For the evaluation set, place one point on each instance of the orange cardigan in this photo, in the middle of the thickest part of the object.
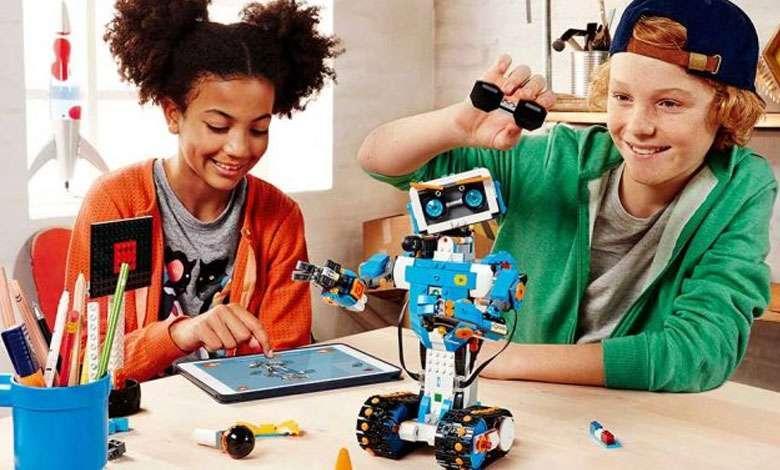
(272, 240)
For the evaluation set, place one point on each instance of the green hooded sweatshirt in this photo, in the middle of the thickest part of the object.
(689, 328)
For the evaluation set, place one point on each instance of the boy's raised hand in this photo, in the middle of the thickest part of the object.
(221, 327)
(497, 129)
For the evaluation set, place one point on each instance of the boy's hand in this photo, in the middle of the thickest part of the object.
(497, 129)
(222, 327)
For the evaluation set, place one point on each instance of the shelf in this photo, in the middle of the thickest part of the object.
(769, 121)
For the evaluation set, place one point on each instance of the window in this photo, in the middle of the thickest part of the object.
(124, 132)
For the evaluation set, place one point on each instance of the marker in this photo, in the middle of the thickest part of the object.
(602, 436)
(27, 368)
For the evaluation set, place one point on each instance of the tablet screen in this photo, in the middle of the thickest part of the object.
(304, 369)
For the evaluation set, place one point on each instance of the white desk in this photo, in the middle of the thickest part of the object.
(735, 426)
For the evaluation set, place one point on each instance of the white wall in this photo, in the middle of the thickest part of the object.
(386, 73)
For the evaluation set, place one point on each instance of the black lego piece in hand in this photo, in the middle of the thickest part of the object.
(488, 97)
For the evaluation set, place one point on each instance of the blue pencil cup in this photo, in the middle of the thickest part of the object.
(61, 427)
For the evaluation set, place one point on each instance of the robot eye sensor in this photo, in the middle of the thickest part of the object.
(454, 201)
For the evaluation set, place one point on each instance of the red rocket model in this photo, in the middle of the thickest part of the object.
(67, 145)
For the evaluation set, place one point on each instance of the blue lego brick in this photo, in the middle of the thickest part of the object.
(375, 266)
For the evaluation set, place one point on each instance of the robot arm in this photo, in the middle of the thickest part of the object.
(340, 286)
(343, 287)
(508, 287)
(377, 271)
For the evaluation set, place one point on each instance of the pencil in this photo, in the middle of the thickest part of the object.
(56, 339)
(79, 291)
(116, 305)
(6, 309)
(38, 343)
(66, 350)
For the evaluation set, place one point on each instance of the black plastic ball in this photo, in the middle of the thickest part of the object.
(239, 441)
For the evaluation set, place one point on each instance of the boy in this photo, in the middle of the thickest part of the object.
(644, 241)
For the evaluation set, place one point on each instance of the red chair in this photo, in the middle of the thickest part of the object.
(48, 255)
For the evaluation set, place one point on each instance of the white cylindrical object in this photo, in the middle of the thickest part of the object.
(207, 437)
(583, 64)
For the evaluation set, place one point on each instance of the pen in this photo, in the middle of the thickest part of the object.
(56, 339)
(27, 368)
(44, 327)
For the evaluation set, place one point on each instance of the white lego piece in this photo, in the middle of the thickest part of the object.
(399, 271)
(484, 280)
(506, 433)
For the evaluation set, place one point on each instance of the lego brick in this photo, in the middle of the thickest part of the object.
(111, 244)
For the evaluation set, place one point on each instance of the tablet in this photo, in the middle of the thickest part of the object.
(301, 370)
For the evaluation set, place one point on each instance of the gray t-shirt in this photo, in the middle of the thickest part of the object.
(199, 256)
(622, 250)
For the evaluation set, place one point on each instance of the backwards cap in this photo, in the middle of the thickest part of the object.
(721, 44)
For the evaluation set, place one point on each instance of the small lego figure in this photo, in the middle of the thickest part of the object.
(238, 441)
(116, 449)
(455, 303)
(602, 436)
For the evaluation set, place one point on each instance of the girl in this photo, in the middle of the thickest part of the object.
(644, 242)
(223, 242)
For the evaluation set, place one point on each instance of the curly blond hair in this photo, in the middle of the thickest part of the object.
(735, 111)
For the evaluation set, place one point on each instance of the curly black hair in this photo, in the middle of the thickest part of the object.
(166, 47)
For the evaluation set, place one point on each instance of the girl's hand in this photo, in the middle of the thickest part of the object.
(497, 129)
(222, 327)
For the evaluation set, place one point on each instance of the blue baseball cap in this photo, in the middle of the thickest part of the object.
(721, 44)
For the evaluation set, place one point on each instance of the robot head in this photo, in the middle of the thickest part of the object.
(454, 201)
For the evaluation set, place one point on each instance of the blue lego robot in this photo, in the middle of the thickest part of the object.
(456, 302)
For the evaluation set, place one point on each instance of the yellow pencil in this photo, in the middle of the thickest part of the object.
(79, 291)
